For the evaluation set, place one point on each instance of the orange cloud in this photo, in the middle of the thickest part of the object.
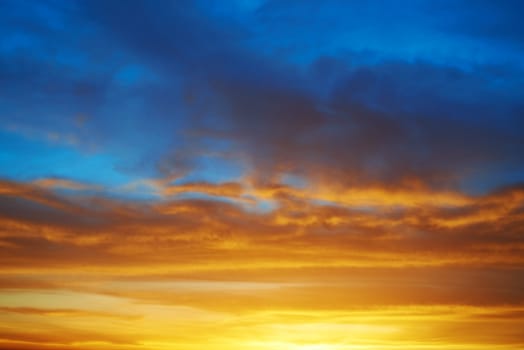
(366, 267)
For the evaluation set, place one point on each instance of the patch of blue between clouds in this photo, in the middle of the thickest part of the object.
(24, 159)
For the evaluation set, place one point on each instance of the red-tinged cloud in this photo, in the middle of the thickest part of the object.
(391, 228)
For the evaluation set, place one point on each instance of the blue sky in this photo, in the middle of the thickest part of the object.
(343, 91)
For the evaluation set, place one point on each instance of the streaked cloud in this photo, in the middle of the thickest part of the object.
(261, 175)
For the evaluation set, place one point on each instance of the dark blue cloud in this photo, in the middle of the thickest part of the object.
(336, 91)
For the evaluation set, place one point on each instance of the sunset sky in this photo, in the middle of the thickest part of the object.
(261, 175)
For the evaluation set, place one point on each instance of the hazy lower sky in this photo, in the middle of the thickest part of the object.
(261, 175)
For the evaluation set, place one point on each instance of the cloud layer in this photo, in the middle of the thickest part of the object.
(269, 174)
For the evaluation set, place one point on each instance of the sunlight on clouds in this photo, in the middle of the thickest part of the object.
(261, 175)
(129, 319)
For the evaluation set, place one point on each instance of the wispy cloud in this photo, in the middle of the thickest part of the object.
(261, 174)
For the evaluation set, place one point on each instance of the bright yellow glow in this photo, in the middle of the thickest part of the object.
(422, 275)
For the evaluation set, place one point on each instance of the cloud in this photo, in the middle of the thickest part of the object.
(395, 230)
(60, 312)
(337, 117)
(269, 174)
(391, 121)
(54, 183)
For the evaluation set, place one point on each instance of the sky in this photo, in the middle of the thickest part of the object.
(261, 174)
